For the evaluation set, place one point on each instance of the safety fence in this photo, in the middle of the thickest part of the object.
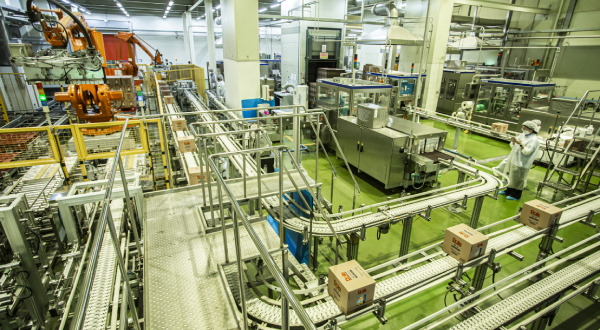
(31, 146)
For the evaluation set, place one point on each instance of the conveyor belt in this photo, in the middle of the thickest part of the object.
(269, 186)
(225, 141)
(96, 314)
(353, 224)
(511, 307)
(40, 182)
(390, 286)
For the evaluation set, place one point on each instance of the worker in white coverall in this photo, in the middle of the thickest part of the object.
(519, 161)
(220, 86)
(501, 166)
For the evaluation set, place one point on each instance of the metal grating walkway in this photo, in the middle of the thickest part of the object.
(183, 289)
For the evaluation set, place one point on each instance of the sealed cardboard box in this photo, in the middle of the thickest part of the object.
(169, 100)
(464, 243)
(539, 215)
(197, 175)
(178, 124)
(577, 145)
(499, 127)
(350, 286)
(186, 144)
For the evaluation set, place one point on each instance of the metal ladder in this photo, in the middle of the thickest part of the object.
(587, 157)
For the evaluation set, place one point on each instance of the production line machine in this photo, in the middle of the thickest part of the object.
(404, 92)
(430, 266)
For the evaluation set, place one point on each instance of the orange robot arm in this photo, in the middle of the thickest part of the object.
(132, 41)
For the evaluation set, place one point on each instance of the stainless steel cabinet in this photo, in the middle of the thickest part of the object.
(378, 152)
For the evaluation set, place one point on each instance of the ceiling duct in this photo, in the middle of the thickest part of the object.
(391, 33)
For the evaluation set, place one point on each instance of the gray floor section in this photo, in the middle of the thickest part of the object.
(183, 289)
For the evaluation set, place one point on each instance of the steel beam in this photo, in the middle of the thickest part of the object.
(505, 6)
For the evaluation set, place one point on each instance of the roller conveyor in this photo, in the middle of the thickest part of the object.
(521, 302)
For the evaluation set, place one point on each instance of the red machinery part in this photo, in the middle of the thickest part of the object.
(91, 102)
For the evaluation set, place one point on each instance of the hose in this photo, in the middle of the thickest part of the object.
(33, 18)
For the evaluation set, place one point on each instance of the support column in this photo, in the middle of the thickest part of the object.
(240, 52)
(440, 16)
(188, 38)
(210, 34)
(405, 240)
(476, 211)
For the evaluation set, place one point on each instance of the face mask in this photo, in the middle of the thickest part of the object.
(525, 131)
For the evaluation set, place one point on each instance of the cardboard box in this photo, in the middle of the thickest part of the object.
(499, 127)
(464, 243)
(169, 99)
(577, 145)
(539, 215)
(186, 144)
(197, 175)
(178, 124)
(350, 286)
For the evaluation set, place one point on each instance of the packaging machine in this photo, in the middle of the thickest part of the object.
(403, 94)
(399, 153)
(341, 96)
(452, 90)
(503, 100)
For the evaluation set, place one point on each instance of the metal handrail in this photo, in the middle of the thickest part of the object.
(281, 148)
(357, 191)
(106, 219)
(266, 256)
(309, 112)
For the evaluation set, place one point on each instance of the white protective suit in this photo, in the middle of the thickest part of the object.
(519, 160)
(221, 88)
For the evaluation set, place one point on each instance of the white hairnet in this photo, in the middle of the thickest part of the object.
(531, 124)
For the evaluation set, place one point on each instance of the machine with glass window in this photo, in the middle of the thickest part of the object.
(504, 100)
(452, 89)
(404, 89)
(401, 154)
(341, 96)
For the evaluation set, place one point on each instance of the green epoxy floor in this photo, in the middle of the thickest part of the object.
(578, 313)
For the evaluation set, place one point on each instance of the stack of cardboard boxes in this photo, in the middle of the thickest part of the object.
(501, 128)
(126, 85)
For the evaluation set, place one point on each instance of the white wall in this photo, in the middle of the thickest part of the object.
(166, 35)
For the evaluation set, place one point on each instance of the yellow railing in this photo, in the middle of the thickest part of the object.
(91, 144)
(186, 72)
(30, 146)
(27, 147)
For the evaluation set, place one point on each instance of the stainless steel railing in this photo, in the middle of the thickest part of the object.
(106, 220)
(281, 276)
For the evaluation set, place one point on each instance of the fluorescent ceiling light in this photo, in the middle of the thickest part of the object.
(218, 7)
(164, 16)
(119, 5)
(171, 3)
(275, 5)
(262, 10)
